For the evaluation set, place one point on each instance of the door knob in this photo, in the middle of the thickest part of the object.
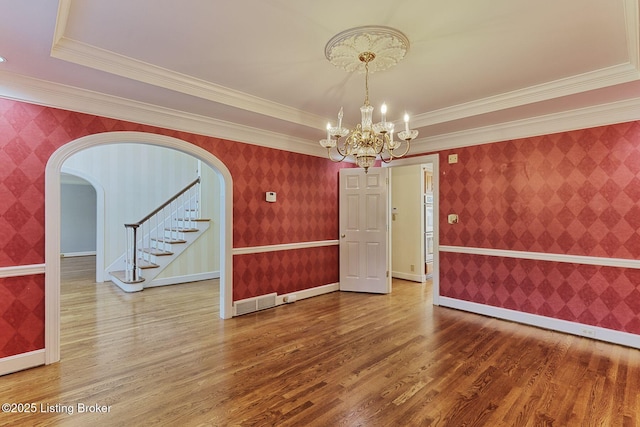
(343, 235)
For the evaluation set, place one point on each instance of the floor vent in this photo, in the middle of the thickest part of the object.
(266, 301)
(254, 304)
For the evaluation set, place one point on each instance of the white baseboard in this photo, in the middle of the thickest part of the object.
(20, 362)
(308, 293)
(137, 287)
(182, 279)
(75, 254)
(573, 328)
(408, 276)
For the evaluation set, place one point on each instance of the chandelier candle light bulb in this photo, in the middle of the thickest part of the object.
(357, 49)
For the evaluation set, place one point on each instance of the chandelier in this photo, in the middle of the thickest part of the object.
(371, 48)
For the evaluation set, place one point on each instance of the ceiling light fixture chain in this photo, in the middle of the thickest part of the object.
(366, 57)
(368, 141)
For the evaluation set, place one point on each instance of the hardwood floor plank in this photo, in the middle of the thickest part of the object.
(163, 357)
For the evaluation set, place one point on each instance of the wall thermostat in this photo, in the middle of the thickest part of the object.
(271, 196)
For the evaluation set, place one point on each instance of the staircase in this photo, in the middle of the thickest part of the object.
(159, 238)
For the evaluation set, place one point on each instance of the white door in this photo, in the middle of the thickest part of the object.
(364, 232)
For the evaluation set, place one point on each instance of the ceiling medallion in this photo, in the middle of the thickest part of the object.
(367, 49)
(388, 44)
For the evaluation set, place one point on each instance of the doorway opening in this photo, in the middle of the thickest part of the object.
(52, 221)
(91, 211)
(414, 220)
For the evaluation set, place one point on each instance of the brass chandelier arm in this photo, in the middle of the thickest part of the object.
(391, 153)
(385, 160)
(344, 156)
(395, 156)
(347, 147)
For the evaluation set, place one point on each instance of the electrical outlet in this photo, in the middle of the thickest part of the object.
(413, 267)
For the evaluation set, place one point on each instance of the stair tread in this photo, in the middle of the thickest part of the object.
(169, 240)
(144, 264)
(182, 230)
(194, 219)
(157, 252)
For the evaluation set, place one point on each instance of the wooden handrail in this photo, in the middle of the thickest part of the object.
(165, 204)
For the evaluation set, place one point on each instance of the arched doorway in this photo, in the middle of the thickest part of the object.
(99, 208)
(52, 222)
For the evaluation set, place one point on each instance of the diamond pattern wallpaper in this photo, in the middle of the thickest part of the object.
(306, 187)
(284, 271)
(306, 210)
(574, 193)
(593, 295)
(21, 314)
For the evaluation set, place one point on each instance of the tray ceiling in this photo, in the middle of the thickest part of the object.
(259, 66)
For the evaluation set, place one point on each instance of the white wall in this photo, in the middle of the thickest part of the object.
(77, 218)
(138, 178)
(406, 226)
(203, 255)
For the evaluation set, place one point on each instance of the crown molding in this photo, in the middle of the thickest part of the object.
(91, 56)
(597, 79)
(583, 118)
(619, 74)
(35, 91)
(632, 26)
(55, 95)
(100, 59)
(77, 52)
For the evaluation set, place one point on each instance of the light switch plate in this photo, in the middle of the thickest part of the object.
(452, 219)
(453, 158)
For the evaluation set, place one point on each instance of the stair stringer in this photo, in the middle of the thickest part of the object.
(177, 248)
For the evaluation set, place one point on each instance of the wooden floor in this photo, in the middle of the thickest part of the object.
(163, 357)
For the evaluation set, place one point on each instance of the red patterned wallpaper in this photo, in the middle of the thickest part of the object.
(607, 297)
(284, 271)
(307, 196)
(572, 193)
(307, 207)
(307, 186)
(21, 314)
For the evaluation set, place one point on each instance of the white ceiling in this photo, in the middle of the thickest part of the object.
(255, 70)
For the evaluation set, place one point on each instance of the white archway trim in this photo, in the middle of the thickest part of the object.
(52, 222)
(99, 218)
